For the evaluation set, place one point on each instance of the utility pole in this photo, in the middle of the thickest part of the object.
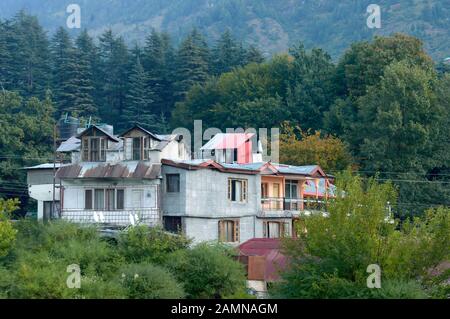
(54, 172)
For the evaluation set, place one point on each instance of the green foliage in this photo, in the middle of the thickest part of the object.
(143, 244)
(207, 271)
(327, 151)
(330, 258)
(147, 281)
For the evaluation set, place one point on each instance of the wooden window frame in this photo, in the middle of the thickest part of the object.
(244, 183)
(87, 150)
(236, 230)
(283, 226)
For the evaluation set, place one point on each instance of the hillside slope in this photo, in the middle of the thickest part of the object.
(273, 25)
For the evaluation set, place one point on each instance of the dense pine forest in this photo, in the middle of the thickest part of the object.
(271, 25)
(381, 109)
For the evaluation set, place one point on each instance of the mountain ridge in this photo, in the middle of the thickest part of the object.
(271, 25)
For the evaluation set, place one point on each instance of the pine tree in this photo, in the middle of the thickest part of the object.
(90, 58)
(114, 71)
(192, 63)
(28, 47)
(227, 54)
(158, 63)
(138, 109)
(64, 72)
(253, 55)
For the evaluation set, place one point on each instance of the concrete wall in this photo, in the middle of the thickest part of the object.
(74, 201)
(203, 201)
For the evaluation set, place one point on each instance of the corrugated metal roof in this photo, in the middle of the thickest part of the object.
(132, 169)
(45, 166)
(290, 169)
(227, 140)
(246, 166)
(72, 144)
(268, 248)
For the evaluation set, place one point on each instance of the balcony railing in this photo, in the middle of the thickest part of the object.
(282, 203)
(117, 218)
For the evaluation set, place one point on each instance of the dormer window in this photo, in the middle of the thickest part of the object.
(93, 149)
(140, 148)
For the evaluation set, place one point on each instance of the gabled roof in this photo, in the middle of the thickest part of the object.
(227, 141)
(111, 137)
(138, 127)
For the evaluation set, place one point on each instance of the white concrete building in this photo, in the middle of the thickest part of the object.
(40, 188)
(115, 180)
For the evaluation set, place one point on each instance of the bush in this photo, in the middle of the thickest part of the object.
(207, 271)
(356, 233)
(7, 237)
(146, 281)
(152, 245)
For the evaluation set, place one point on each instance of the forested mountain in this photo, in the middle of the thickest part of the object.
(271, 25)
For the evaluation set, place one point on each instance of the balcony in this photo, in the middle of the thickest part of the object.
(290, 206)
(113, 218)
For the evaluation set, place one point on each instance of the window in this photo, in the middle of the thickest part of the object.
(136, 148)
(229, 231)
(237, 190)
(94, 149)
(275, 229)
(120, 199)
(291, 189)
(139, 148)
(88, 199)
(172, 224)
(104, 199)
(99, 201)
(110, 199)
(173, 183)
(264, 190)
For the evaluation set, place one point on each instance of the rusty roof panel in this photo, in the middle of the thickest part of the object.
(106, 170)
(68, 171)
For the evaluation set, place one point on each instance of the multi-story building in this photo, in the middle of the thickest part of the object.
(227, 194)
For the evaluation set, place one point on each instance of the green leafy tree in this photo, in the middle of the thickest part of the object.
(7, 231)
(330, 258)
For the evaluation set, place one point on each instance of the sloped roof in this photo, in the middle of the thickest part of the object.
(268, 248)
(70, 145)
(227, 141)
(131, 169)
(136, 126)
(44, 166)
(299, 170)
(111, 137)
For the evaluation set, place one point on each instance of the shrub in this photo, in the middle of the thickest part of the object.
(147, 281)
(153, 245)
(207, 271)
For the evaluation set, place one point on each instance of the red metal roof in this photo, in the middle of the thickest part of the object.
(268, 248)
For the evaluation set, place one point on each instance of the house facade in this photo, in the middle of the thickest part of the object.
(226, 193)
